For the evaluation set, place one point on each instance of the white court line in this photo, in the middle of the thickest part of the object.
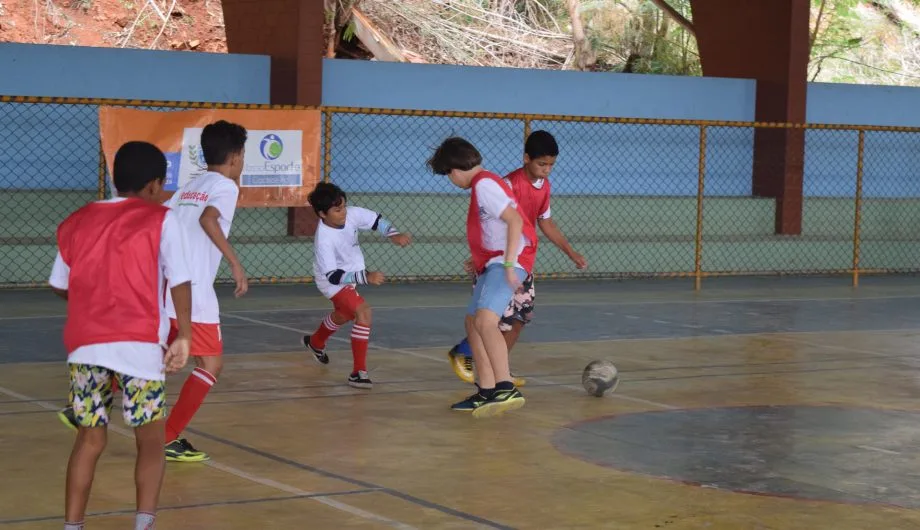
(768, 334)
(832, 346)
(617, 395)
(240, 473)
(559, 304)
(616, 303)
(444, 359)
(340, 339)
(877, 449)
(38, 317)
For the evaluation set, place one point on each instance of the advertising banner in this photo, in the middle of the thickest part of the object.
(282, 153)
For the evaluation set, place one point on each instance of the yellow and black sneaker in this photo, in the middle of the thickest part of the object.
(180, 450)
(469, 404)
(68, 418)
(502, 401)
(462, 365)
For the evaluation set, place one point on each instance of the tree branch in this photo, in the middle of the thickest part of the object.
(814, 33)
(673, 13)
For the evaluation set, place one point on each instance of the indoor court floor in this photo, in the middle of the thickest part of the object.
(757, 403)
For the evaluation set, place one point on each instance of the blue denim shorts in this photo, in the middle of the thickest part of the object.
(492, 291)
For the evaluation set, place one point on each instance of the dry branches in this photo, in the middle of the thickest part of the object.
(465, 32)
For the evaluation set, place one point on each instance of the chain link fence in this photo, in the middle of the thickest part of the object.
(637, 198)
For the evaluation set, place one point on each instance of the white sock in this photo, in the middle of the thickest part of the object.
(145, 521)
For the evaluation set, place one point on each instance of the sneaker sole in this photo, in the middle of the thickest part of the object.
(456, 362)
(492, 410)
(66, 422)
(187, 459)
(365, 386)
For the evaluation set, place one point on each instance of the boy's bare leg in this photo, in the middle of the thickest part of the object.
(87, 448)
(496, 350)
(480, 357)
(511, 336)
(150, 466)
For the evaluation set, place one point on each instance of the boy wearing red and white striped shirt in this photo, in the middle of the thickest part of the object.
(338, 266)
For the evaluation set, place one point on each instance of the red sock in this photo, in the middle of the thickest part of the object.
(191, 397)
(325, 330)
(360, 334)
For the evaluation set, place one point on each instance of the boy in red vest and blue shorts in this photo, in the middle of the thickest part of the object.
(502, 245)
(115, 260)
(531, 186)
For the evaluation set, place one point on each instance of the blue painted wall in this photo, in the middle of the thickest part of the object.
(608, 159)
(56, 146)
(78, 71)
(519, 90)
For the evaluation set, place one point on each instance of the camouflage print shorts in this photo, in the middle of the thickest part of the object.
(520, 307)
(142, 401)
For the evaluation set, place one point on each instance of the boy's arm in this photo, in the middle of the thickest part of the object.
(515, 227)
(60, 277)
(173, 259)
(549, 227)
(371, 220)
(515, 223)
(222, 202)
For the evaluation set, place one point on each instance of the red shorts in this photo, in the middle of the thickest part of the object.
(206, 338)
(346, 302)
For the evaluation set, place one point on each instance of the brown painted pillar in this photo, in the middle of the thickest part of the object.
(765, 40)
(291, 33)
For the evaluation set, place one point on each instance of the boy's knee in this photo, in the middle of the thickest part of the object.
(92, 439)
(213, 364)
(363, 314)
(150, 434)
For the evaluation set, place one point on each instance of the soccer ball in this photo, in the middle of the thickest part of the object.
(600, 378)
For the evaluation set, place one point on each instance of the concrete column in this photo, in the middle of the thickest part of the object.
(291, 33)
(765, 40)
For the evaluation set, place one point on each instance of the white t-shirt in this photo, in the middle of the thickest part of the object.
(547, 213)
(492, 202)
(136, 359)
(210, 189)
(338, 248)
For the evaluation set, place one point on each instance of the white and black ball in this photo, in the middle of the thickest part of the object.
(600, 378)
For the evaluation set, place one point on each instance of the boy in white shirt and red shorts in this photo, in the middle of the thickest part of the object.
(338, 267)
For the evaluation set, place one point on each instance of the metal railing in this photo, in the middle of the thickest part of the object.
(636, 197)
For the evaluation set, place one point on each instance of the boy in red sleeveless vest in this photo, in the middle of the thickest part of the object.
(115, 260)
(204, 209)
(502, 243)
(531, 187)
